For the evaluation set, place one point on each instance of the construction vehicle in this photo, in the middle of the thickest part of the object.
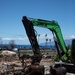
(66, 56)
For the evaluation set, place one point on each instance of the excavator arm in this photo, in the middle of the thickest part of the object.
(32, 38)
(51, 25)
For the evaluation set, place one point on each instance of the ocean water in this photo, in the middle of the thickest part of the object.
(26, 46)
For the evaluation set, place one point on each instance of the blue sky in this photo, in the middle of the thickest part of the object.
(12, 11)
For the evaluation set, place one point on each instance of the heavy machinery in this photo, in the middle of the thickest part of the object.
(65, 55)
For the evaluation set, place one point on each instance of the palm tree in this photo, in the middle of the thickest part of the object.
(46, 39)
(38, 37)
(50, 41)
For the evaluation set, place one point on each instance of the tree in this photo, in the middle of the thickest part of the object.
(46, 39)
(69, 46)
(12, 44)
(5, 47)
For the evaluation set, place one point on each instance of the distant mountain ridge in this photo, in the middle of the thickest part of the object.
(50, 45)
(67, 42)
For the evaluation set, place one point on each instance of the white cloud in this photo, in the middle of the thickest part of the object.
(6, 39)
(69, 37)
(73, 36)
(41, 37)
(16, 39)
(24, 39)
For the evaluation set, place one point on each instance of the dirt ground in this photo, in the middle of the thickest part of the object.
(14, 60)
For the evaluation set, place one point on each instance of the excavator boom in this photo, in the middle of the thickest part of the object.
(54, 27)
(51, 25)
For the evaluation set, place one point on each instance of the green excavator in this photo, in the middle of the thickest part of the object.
(64, 54)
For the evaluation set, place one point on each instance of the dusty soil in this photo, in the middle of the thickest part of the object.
(14, 60)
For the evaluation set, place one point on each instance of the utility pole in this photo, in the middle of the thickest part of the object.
(46, 40)
(38, 37)
(50, 42)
